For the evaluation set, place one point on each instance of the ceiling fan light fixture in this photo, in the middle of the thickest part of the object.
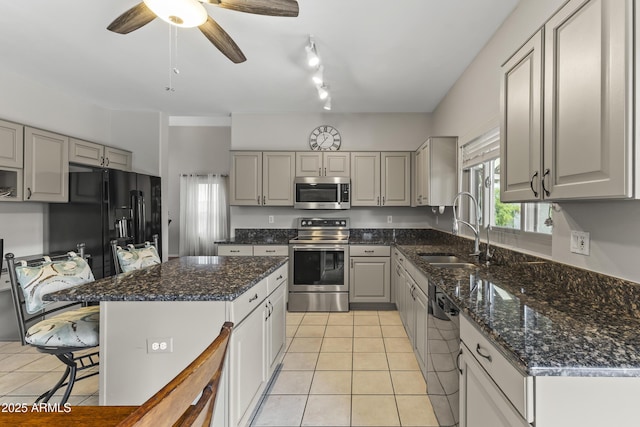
(181, 13)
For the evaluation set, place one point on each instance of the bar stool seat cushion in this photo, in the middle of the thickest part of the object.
(51, 276)
(73, 328)
(131, 258)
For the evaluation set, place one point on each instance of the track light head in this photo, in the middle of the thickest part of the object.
(312, 55)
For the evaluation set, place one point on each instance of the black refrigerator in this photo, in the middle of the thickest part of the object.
(104, 204)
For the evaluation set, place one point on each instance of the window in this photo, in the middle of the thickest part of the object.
(481, 176)
(203, 213)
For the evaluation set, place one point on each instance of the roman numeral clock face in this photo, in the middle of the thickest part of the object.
(325, 138)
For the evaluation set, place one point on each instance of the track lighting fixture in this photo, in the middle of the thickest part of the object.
(312, 55)
(323, 92)
(327, 104)
(313, 60)
(318, 76)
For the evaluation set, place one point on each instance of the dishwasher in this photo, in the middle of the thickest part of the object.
(443, 347)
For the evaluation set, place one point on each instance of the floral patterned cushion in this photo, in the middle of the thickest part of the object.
(131, 258)
(51, 276)
(73, 328)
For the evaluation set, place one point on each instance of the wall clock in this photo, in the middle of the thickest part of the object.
(325, 138)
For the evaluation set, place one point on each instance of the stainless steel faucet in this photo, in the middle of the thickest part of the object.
(475, 228)
(488, 253)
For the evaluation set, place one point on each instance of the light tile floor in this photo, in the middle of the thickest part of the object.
(346, 369)
(340, 369)
(25, 374)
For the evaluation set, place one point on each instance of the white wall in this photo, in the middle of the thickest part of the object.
(359, 132)
(472, 107)
(192, 149)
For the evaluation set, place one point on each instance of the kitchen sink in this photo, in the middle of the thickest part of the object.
(440, 258)
(464, 265)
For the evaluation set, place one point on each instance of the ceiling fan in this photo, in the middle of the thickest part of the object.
(191, 13)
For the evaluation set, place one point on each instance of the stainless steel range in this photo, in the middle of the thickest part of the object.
(318, 265)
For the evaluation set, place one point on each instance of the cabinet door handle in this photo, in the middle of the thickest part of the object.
(271, 309)
(458, 361)
(266, 306)
(319, 171)
(325, 171)
(264, 200)
(29, 193)
(369, 252)
(535, 193)
(253, 298)
(486, 356)
(351, 263)
(546, 192)
(378, 201)
(270, 251)
(279, 277)
(107, 162)
(234, 251)
(258, 199)
(382, 200)
(102, 161)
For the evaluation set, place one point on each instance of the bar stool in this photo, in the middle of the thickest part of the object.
(135, 257)
(56, 328)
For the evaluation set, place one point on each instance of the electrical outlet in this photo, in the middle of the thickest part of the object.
(389, 219)
(160, 345)
(580, 242)
(270, 219)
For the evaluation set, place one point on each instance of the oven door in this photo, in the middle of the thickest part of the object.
(318, 268)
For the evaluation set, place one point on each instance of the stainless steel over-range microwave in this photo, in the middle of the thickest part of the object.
(322, 192)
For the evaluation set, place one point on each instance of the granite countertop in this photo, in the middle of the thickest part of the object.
(547, 318)
(192, 278)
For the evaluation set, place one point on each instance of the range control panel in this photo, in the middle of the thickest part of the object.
(323, 222)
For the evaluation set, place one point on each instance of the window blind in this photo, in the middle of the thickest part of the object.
(481, 149)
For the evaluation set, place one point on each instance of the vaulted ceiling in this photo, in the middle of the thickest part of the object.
(379, 55)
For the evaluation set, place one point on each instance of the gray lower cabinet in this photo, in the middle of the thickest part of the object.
(482, 403)
(412, 303)
(369, 274)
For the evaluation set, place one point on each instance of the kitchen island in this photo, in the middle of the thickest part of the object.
(154, 321)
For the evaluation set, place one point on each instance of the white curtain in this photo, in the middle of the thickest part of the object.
(203, 213)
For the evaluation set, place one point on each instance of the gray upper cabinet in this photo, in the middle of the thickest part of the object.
(46, 166)
(92, 154)
(246, 178)
(436, 176)
(262, 179)
(278, 169)
(115, 158)
(380, 179)
(587, 144)
(11, 144)
(521, 125)
(395, 178)
(365, 179)
(327, 163)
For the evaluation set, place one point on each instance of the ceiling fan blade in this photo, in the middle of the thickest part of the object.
(222, 41)
(262, 7)
(134, 18)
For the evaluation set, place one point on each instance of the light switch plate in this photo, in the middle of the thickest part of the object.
(580, 242)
